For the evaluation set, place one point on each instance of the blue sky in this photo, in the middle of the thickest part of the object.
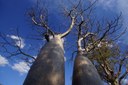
(12, 15)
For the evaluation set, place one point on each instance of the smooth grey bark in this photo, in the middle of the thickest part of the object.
(48, 68)
(84, 72)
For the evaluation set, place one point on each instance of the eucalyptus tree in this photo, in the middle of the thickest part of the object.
(110, 61)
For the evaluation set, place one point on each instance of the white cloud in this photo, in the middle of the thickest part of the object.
(21, 67)
(107, 4)
(3, 61)
(124, 81)
(18, 40)
(122, 6)
(35, 56)
(65, 59)
(32, 60)
(117, 6)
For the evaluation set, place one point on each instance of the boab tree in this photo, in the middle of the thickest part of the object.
(84, 72)
(85, 24)
(48, 68)
(103, 52)
(91, 33)
(86, 27)
(106, 54)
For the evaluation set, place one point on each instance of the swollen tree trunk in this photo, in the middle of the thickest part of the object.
(48, 68)
(84, 72)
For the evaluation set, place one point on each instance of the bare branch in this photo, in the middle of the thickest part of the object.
(39, 18)
(69, 29)
(80, 40)
(105, 70)
(42, 24)
(23, 53)
(120, 66)
(123, 75)
(18, 50)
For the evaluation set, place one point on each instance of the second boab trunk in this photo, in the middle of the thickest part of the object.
(84, 72)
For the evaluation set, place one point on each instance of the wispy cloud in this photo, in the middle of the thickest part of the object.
(3, 61)
(18, 40)
(107, 4)
(122, 6)
(21, 67)
(124, 81)
(65, 59)
(117, 6)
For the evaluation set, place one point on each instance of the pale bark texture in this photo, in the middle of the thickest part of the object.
(48, 68)
(84, 72)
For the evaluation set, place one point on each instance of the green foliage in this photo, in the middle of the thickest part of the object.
(105, 53)
(108, 58)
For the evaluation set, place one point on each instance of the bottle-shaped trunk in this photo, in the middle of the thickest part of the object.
(84, 72)
(48, 68)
